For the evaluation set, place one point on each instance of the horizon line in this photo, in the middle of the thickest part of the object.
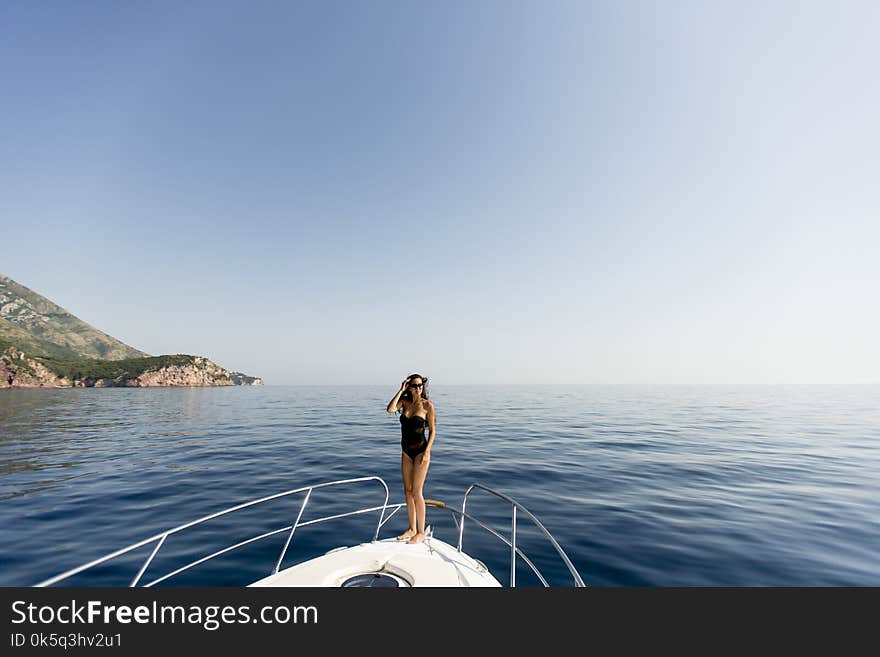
(812, 383)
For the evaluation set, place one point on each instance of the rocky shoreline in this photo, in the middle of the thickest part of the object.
(18, 370)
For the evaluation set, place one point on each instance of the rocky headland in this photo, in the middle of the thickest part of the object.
(44, 346)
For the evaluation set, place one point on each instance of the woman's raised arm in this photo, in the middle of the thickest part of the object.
(393, 404)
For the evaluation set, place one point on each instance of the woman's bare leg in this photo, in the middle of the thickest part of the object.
(406, 471)
(420, 471)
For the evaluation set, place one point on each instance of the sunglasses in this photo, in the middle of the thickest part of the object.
(416, 385)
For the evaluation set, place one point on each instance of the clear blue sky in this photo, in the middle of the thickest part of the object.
(491, 192)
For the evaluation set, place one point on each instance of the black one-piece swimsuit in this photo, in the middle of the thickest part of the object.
(412, 430)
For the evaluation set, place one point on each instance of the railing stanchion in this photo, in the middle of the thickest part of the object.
(513, 548)
(463, 504)
(293, 529)
(143, 569)
(381, 515)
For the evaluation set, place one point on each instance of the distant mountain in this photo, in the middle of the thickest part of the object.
(240, 379)
(43, 345)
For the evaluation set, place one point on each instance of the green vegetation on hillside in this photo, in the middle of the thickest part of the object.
(80, 369)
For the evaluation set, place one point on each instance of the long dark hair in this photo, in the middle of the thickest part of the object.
(408, 395)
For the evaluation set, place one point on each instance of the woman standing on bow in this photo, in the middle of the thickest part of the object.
(416, 415)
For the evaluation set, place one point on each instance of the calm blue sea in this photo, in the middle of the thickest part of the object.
(641, 485)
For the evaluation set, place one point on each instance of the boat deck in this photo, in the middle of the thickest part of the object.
(429, 564)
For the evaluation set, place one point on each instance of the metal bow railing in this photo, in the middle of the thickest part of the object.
(458, 516)
(514, 550)
(159, 539)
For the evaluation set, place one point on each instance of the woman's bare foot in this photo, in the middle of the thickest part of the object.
(405, 536)
(417, 538)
